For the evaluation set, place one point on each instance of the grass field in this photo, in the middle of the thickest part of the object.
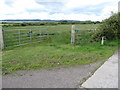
(62, 33)
(57, 51)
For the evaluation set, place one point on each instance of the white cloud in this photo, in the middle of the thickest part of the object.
(17, 9)
(5, 9)
(107, 10)
(26, 4)
(83, 3)
(77, 17)
(18, 6)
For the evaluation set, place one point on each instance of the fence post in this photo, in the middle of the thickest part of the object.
(30, 35)
(1, 38)
(102, 41)
(73, 34)
(47, 35)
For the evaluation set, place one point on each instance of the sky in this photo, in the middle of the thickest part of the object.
(95, 10)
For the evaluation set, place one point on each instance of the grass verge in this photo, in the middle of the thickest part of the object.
(45, 56)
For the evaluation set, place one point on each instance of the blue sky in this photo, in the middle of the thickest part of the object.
(57, 9)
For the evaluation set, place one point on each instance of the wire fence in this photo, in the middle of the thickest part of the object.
(18, 37)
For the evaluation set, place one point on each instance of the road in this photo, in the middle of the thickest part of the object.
(106, 76)
(69, 77)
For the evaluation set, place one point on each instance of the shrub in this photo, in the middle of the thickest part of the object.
(109, 28)
(23, 24)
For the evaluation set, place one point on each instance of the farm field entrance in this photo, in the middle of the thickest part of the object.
(56, 51)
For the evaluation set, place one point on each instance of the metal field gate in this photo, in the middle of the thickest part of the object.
(18, 37)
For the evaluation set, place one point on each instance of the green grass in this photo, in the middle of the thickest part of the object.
(48, 56)
(57, 51)
(1, 24)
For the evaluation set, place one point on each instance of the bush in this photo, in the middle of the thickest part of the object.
(23, 24)
(109, 28)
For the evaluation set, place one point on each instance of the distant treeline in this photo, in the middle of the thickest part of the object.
(48, 23)
(78, 22)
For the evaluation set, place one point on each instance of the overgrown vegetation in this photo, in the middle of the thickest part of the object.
(109, 28)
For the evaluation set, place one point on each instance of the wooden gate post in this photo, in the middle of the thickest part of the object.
(1, 38)
(73, 34)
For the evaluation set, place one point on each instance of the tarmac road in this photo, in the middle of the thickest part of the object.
(69, 77)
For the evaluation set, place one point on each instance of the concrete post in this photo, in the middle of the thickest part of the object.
(102, 41)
